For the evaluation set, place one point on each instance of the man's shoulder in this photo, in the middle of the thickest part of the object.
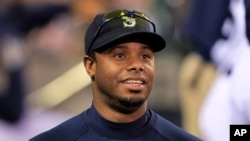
(170, 130)
(68, 130)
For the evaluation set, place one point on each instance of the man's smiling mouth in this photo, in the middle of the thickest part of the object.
(133, 82)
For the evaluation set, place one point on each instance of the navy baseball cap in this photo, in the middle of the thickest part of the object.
(119, 26)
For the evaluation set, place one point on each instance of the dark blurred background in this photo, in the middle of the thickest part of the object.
(41, 49)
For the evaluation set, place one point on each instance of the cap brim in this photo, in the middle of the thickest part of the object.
(153, 40)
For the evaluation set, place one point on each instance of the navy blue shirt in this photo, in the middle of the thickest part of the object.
(91, 126)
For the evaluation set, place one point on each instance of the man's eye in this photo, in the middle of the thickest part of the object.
(120, 56)
(145, 56)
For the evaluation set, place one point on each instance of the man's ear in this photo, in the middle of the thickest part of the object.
(89, 64)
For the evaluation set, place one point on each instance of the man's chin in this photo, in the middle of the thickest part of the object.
(128, 106)
(131, 103)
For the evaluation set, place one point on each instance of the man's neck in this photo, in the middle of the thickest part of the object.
(115, 116)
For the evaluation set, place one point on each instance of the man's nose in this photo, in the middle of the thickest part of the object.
(135, 63)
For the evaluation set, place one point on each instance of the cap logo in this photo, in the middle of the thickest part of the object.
(128, 21)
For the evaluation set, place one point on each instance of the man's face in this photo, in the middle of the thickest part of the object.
(123, 76)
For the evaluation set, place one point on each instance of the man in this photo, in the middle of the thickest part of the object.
(119, 48)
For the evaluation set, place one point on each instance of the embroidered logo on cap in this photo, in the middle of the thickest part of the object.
(128, 21)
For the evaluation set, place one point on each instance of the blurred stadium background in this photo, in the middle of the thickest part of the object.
(57, 86)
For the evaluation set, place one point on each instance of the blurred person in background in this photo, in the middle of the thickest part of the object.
(229, 89)
(223, 39)
(12, 63)
(126, 42)
(240, 96)
(197, 71)
(17, 20)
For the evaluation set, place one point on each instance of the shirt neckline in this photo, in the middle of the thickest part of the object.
(115, 130)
